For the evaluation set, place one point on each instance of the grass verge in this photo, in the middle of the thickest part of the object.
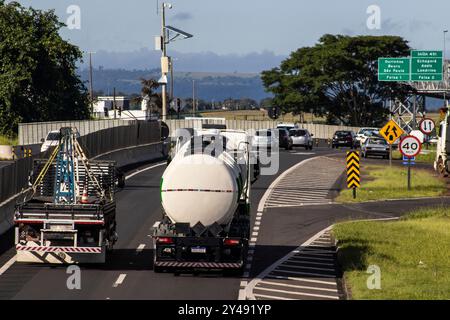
(381, 183)
(8, 141)
(428, 155)
(413, 255)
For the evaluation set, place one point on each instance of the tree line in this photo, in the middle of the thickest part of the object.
(337, 79)
(38, 80)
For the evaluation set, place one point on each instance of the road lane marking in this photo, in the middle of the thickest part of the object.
(7, 265)
(309, 262)
(243, 293)
(329, 283)
(299, 293)
(270, 297)
(271, 283)
(143, 170)
(303, 267)
(119, 280)
(140, 248)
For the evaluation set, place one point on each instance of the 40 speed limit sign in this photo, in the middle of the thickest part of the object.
(410, 146)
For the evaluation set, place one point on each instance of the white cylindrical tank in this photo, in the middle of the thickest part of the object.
(202, 188)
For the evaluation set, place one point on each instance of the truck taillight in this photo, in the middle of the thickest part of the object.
(231, 242)
(164, 240)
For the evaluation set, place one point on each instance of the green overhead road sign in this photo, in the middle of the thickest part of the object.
(394, 69)
(426, 65)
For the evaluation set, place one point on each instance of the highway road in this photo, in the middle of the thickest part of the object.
(128, 273)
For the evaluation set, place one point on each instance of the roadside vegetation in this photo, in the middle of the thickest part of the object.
(381, 183)
(4, 140)
(413, 255)
(428, 155)
(258, 115)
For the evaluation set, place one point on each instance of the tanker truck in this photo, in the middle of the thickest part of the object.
(205, 195)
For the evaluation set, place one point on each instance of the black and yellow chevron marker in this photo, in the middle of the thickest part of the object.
(353, 173)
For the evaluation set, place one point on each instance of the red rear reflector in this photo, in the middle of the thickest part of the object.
(165, 240)
(231, 242)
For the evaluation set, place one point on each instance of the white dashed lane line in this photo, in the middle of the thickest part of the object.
(119, 280)
(140, 248)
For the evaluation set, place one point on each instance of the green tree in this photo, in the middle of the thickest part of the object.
(337, 78)
(148, 91)
(38, 80)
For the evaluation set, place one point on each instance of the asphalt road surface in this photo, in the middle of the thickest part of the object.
(128, 273)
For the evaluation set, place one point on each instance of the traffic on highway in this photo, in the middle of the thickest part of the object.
(213, 183)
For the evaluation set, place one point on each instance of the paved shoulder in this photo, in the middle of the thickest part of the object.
(309, 184)
(309, 272)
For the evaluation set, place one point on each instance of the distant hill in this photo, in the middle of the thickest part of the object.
(210, 86)
(145, 58)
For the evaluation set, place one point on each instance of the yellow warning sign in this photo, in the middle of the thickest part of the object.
(391, 131)
(353, 173)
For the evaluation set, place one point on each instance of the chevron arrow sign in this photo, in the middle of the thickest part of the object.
(353, 172)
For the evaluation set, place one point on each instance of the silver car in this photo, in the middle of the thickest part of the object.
(302, 138)
(375, 147)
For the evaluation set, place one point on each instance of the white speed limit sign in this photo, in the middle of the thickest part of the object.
(427, 126)
(410, 146)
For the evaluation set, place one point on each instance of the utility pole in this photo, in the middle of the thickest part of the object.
(193, 97)
(91, 86)
(171, 79)
(114, 102)
(163, 35)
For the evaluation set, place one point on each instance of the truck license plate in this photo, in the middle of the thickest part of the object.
(198, 250)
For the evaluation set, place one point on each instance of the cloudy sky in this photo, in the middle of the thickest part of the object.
(247, 26)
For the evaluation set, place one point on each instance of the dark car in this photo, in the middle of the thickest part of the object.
(285, 139)
(344, 139)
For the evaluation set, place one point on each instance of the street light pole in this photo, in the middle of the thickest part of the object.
(193, 97)
(91, 86)
(163, 35)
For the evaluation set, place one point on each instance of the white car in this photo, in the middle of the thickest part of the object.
(51, 140)
(287, 126)
(364, 133)
(266, 139)
(302, 138)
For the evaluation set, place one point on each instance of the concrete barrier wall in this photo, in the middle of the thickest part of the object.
(32, 133)
(125, 145)
(14, 177)
(320, 131)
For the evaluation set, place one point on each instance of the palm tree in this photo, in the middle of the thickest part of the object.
(148, 90)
